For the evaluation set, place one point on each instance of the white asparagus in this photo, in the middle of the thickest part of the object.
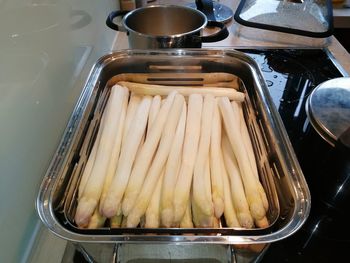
(192, 133)
(155, 107)
(229, 209)
(134, 102)
(216, 172)
(237, 108)
(152, 216)
(237, 189)
(116, 221)
(199, 218)
(97, 220)
(201, 194)
(126, 159)
(158, 163)
(114, 157)
(144, 157)
(207, 185)
(90, 162)
(171, 171)
(93, 188)
(184, 77)
(186, 221)
(162, 90)
(248, 178)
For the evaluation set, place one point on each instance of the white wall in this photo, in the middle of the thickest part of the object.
(45, 57)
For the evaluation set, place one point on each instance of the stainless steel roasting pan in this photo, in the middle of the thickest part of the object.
(279, 171)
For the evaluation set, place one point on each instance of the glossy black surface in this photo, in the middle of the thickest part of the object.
(325, 237)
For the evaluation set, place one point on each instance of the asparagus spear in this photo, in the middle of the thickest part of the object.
(93, 188)
(114, 157)
(216, 172)
(158, 163)
(127, 156)
(149, 89)
(200, 219)
(186, 221)
(210, 79)
(249, 180)
(155, 107)
(90, 162)
(238, 195)
(183, 184)
(201, 194)
(97, 220)
(153, 209)
(237, 108)
(171, 171)
(134, 102)
(145, 156)
(229, 209)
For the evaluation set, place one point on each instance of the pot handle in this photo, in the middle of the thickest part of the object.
(220, 35)
(111, 16)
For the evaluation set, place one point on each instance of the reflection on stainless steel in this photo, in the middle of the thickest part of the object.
(328, 108)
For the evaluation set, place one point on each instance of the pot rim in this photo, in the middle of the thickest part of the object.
(128, 29)
(324, 128)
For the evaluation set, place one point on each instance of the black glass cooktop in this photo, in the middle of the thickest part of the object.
(290, 76)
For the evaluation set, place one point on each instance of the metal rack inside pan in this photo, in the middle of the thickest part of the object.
(260, 141)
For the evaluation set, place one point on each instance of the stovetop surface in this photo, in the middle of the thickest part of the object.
(290, 76)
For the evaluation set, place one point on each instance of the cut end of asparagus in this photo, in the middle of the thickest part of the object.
(85, 209)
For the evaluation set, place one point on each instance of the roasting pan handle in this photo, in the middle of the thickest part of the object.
(218, 36)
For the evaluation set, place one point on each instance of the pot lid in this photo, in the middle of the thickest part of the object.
(215, 11)
(328, 109)
(313, 18)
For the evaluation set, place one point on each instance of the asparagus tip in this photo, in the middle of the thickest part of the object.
(85, 209)
(245, 220)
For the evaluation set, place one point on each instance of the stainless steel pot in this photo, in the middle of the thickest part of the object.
(166, 26)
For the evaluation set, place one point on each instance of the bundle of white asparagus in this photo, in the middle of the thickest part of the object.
(168, 156)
